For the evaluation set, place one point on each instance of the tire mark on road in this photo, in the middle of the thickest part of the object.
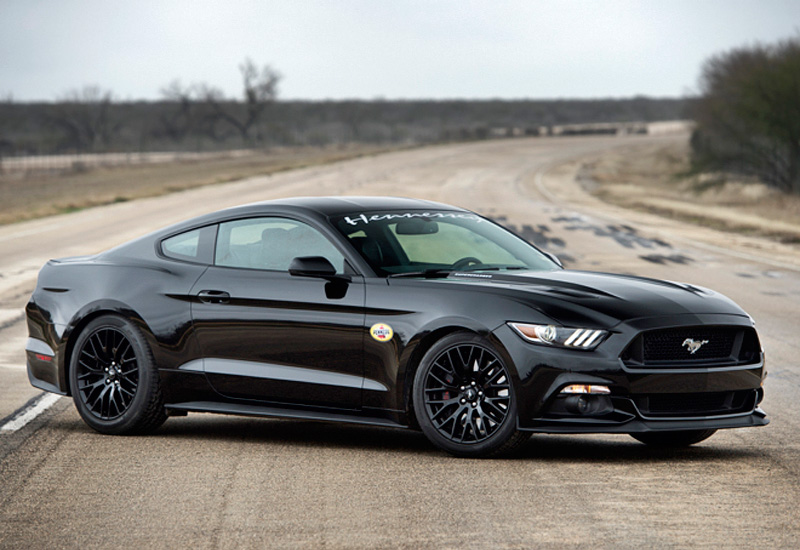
(15, 482)
(227, 490)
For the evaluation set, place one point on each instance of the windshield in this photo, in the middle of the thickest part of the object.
(398, 243)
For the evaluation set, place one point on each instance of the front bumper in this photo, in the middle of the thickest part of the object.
(641, 400)
(618, 420)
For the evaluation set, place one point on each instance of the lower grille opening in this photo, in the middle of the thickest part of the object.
(696, 404)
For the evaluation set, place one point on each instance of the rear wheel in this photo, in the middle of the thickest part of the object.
(673, 439)
(464, 399)
(113, 378)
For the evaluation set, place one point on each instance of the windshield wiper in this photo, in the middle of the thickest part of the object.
(445, 271)
(494, 268)
(427, 273)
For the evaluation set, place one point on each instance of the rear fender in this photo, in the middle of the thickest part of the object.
(84, 317)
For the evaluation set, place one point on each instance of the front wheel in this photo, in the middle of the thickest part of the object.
(464, 399)
(673, 439)
(114, 380)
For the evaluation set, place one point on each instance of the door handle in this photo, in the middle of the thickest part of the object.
(214, 296)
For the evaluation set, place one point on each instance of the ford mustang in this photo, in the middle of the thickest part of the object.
(390, 312)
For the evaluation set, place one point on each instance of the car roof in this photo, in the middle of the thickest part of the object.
(318, 207)
(336, 206)
(313, 207)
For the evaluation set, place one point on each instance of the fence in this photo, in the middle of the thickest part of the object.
(83, 161)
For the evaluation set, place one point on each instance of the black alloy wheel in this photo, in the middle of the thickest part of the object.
(107, 373)
(464, 399)
(467, 393)
(113, 378)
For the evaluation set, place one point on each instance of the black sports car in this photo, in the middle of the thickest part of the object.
(391, 312)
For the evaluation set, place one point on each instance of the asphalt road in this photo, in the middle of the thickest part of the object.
(225, 482)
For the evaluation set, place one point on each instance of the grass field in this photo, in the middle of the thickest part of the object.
(28, 196)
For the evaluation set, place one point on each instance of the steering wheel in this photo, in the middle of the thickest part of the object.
(464, 262)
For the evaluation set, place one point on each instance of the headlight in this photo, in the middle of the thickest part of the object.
(551, 335)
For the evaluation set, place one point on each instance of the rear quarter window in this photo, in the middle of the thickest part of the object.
(192, 246)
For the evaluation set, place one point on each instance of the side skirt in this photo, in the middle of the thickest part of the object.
(260, 410)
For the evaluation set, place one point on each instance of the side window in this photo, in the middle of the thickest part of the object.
(271, 244)
(192, 246)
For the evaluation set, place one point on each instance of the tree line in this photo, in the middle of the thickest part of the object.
(748, 114)
(200, 117)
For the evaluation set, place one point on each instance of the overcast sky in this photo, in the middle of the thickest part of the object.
(380, 48)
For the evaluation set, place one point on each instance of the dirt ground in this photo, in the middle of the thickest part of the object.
(29, 196)
(206, 481)
(653, 177)
(649, 177)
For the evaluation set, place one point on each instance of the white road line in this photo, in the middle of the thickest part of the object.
(34, 409)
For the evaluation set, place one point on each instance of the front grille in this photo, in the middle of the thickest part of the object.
(673, 344)
(696, 404)
(712, 345)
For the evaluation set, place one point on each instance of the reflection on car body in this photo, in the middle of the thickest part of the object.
(391, 312)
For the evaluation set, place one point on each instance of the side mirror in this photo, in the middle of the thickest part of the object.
(313, 266)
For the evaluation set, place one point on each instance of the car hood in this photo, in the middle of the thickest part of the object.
(602, 299)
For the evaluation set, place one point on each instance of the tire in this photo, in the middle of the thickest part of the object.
(673, 439)
(114, 380)
(464, 398)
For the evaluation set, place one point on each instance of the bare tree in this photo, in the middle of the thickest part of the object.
(260, 87)
(211, 108)
(83, 116)
(178, 119)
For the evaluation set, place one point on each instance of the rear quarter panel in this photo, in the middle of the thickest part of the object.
(153, 293)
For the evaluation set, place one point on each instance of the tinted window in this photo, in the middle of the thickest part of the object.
(452, 243)
(271, 244)
(192, 246)
(411, 241)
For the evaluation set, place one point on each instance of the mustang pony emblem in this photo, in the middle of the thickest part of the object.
(693, 345)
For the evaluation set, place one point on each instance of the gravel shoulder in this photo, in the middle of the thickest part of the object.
(636, 183)
(37, 194)
(655, 177)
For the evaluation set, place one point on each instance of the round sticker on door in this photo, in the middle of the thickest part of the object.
(381, 332)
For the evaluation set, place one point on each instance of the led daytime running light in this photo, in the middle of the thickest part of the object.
(575, 338)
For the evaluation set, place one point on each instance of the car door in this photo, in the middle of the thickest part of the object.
(271, 336)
